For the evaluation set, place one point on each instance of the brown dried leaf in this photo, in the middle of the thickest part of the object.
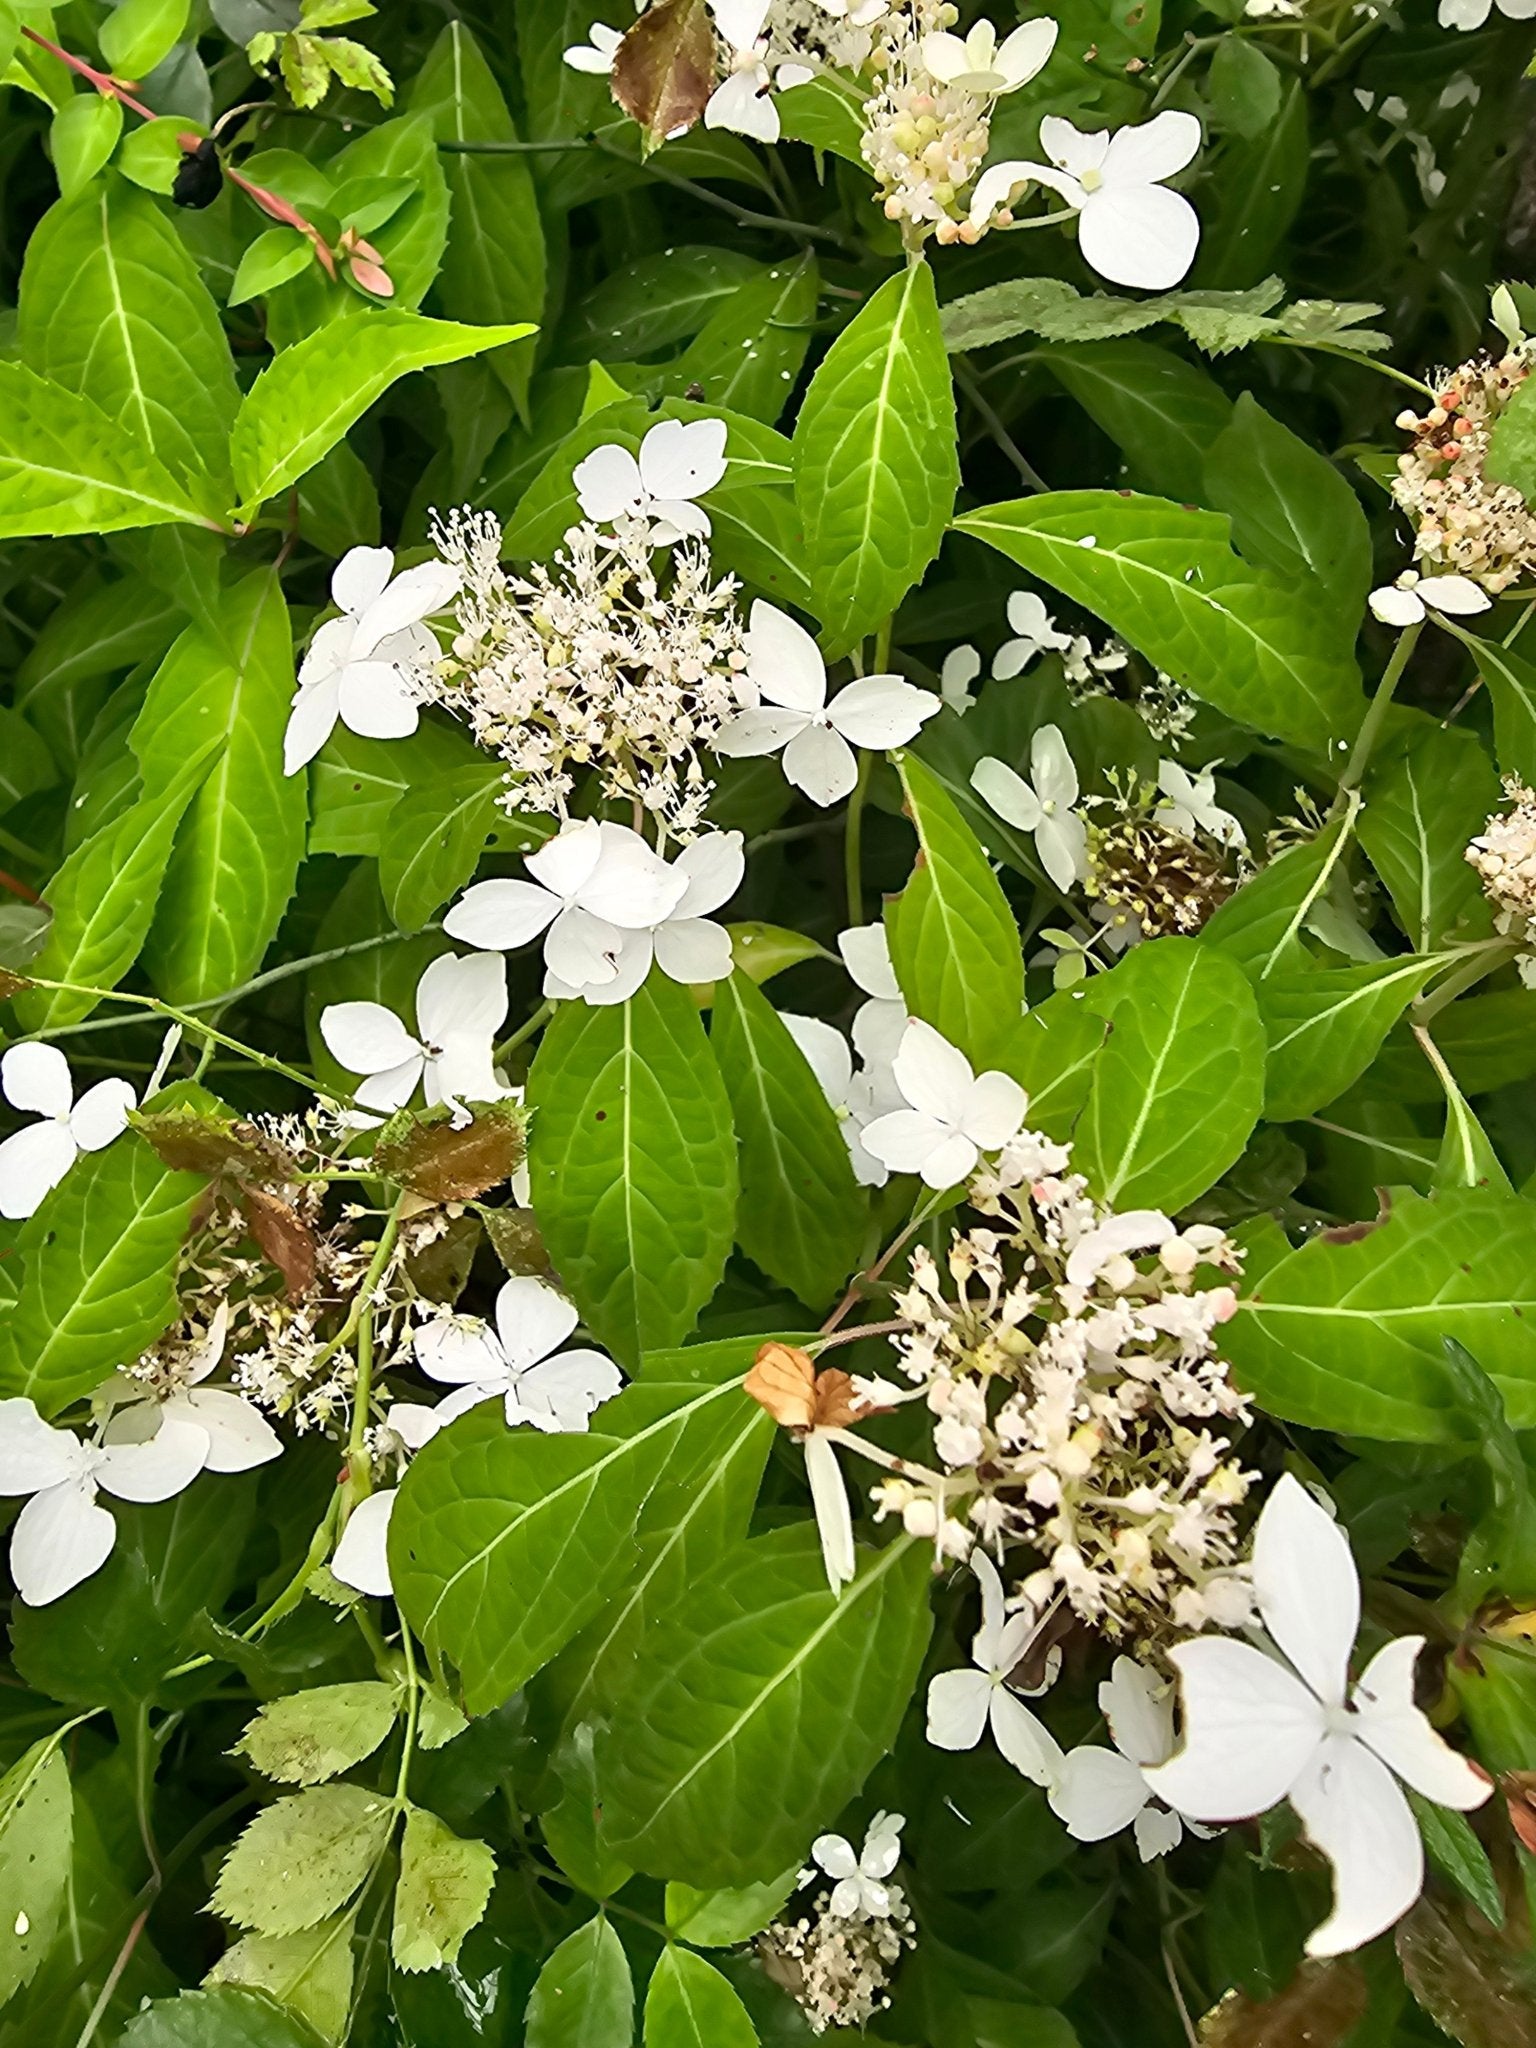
(1476, 1982)
(1320, 2008)
(664, 69)
(285, 1238)
(517, 1241)
(192, 1141)
(836, 1404)
(783, 1380)
(423, 1152)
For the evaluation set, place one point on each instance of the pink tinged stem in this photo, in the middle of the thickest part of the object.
(104, 84)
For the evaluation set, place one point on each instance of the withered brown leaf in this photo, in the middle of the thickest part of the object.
(423, 1152)
(285, 1238)
(1320, 2008)
(664, 69)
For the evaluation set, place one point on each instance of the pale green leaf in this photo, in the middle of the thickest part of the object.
(443, 1890)
(875, 464)
(36, 1839)
(584, 1997)
(225, 2017)
(306, 1737)
(1325, 1025)
(309, 1973)
(1422, 805)
(84, 134)
(690, 2005)
(137, 34)
(302, 1859)
(721, 1919)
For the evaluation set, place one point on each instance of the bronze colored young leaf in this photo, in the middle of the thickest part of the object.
(664, 70)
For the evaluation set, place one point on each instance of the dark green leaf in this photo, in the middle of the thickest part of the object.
(1292, 512)
(1325, 1024)
(433, 839)
(1164, 413)
(36, 1837)
(1422, 805)
(746, 357)
(221, 2018)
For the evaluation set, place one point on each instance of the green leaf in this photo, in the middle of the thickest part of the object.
(301, 1859)
(67, 468)
(1467, 1156)
(690, 2005)
(1164, 413)
(1325, 1025)
(1511, 683)
(433, 839)
(875, 465)
(1422, 806)
(722, 1919)
(1052, 1055)
(954, 942)
(827, 112)
(137, 34)
(26, 765)
(1260, 925)
(307, 1737)
(802, 1217)
(443, 1890)
(1177, 1089)
(310, 1973)
(84, 134)
(112, 307)
(632, 1159)
(1345, 1334)
(1292, 512)
(647, 305)
(584, 1997)
(573, 1826)
(1454, 1850)
(355, 784)
(1511, 457)
(760, 1703)
(1257, 197)
(103, 899)
(99, 1263)
(36, 1842)
(274, 257)
(1049, 307)
(151, 154)
(493, 266)
(301, 405)
(748, 354)
(99, 629)
(222, 2018)
(1244, 86)
(1166, 579)
(485, 1512)
(238, 848)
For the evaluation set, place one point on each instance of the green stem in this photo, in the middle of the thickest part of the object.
(1349, 355)
(1480, 963)
(970, 384)
(412, 1712)
(1376, 712)
(540, 1016)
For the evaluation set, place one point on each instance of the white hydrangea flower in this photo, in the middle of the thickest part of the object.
(686, 944)
(1470, 14)
(878, 1023)
(860, 1891)
(959, 669)
(953, 1116)
(855, 1099)
(361, 1559)
(1043, 807)
(1190, 804)
(592, 884)
(62, 1535)
(1034, 632)
(239, 1435)
(677, 463)
(978, 63)
(1409, 600)
(1099, 1791)
(357, 668)
(742, 101)
(1264, 1725)
(460, 1006)
(519, 1362)
(963, 1704)
(1131, 229)
(785, 667)
(34, 1160)
(597, 53)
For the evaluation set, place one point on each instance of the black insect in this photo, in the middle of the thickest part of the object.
(199, 176)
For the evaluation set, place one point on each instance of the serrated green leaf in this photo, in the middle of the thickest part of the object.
(1260, 925)
(443, 1889)
(238, 848)
(721, 1919)
(632, 1161)
(1177, 1088)
(493, 266)
(802, 1217)
(36, 1841)
(690, 2005)
(954, 943)
(302, 1859)
(484, 1512)
(226, 2017)
(112, 307)
(1165, 414)
(99, 1265)
(1457, 1854)
(584, 1997)
(434, 837)
(1165, 577)
(274, 257)
(760, 1703)
(306, 1737)
(641, 307)
(875, 464)
(1511, 683)
(827, 112)
(1346, 1332)
(1052, 1055)
(299, 407)
(67, 468)
(309, 1973)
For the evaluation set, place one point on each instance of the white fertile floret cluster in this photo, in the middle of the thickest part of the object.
(1505, 858)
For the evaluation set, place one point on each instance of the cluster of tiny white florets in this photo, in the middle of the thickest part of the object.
(608, 659)
(1505, 858)
(805, 32)
(1466, 524)
(835, 1958)
(1164, 706)
(1079, 1406)
(924, 141)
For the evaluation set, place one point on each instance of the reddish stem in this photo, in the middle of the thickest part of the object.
(103, 83)
(18, 888)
